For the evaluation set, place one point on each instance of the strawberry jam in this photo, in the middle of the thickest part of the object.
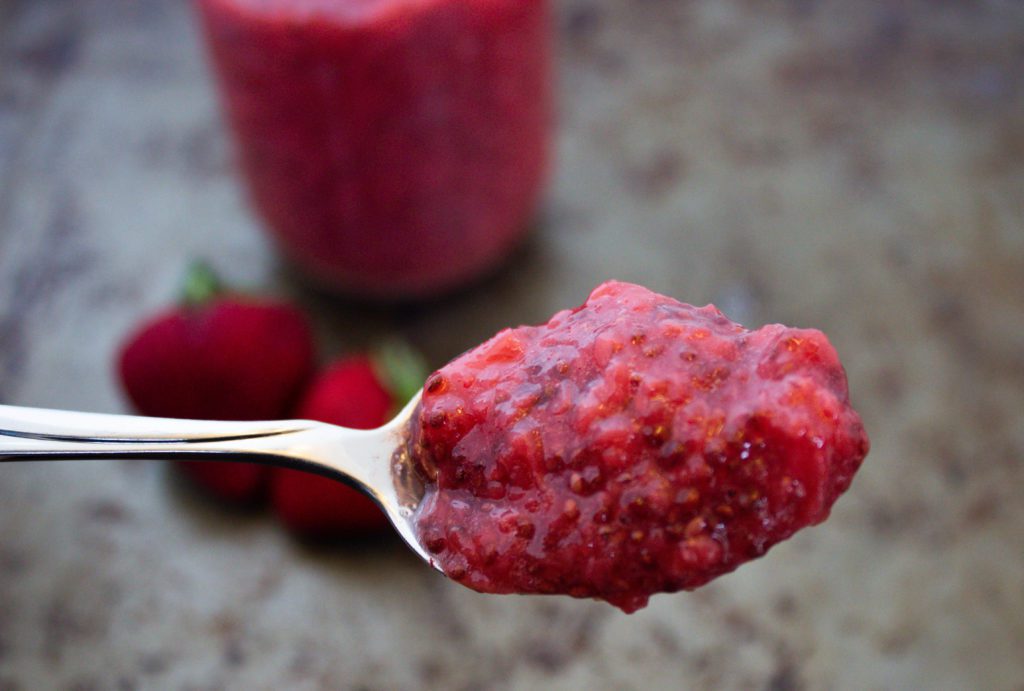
(630, 446)
(393, 148)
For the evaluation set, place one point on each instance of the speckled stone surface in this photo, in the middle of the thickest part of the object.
(857, 167)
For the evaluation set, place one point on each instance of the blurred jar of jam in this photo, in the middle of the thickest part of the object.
(394, 148)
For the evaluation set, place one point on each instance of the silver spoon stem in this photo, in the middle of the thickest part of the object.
(370, 460)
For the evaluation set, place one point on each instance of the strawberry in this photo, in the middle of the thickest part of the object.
(219, 356)
(358, 392)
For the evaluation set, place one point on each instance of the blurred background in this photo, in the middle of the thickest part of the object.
(856, 167)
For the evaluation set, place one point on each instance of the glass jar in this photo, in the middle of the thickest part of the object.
(393, 148)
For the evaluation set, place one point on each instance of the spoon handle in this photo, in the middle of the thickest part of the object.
(35, 434)
(369, 460)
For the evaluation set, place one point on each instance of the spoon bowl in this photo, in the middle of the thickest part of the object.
(375, 462)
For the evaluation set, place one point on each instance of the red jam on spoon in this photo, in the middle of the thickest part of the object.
(631, 446)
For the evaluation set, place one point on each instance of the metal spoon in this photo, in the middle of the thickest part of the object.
(374, 461)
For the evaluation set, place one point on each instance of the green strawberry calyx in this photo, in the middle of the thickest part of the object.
(400, 368)
(201, 285)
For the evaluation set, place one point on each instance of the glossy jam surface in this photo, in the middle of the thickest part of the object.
(631, 446)
(394, 148)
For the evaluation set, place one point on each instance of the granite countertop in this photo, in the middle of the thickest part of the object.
(858, 167)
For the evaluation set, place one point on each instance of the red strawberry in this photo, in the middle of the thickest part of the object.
(219, 357)
(352, 393)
